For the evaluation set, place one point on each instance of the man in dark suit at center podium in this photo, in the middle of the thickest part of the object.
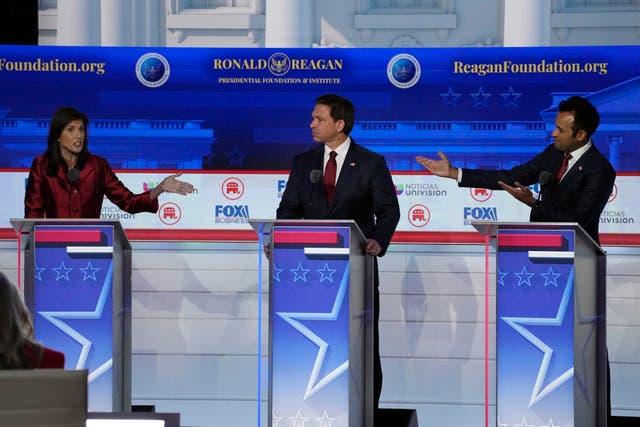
(340, 179)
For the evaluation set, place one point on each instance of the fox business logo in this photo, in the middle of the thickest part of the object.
(282, 184)
(479, 214)
(278, 64)
(231, 214)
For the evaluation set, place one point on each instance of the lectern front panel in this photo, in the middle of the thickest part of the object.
(542, 330)
(72, 299)
(310, 326)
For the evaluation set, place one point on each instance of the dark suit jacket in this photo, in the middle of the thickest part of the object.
(56, 197)
(364, 193)
(580, 197)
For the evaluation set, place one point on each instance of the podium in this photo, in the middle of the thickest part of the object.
(320, 353)
(551, 364)
(77, 285)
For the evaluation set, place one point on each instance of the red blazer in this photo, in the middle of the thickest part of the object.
(57, 197)
(50, 359)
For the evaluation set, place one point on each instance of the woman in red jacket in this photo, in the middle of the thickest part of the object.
(18, 348)
(69, 182)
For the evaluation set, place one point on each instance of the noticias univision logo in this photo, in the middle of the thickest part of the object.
(152, 70)
(403, 70)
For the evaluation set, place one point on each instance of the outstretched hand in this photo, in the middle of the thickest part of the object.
(172, 185)
(520, 192)
(440, 167)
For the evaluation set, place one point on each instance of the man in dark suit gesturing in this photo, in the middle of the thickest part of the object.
(343, 180)
(576, 179)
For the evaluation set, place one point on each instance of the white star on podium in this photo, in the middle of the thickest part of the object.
(89, 272)
(538, 392)
(524, 423)
(62, 272)
(38, 272)
(55, 316)
(299, 420)
(524, 277)
(300, 273)
(324, 420)
(326, 273)
(275, 420)
(314, 384)
(551, 277)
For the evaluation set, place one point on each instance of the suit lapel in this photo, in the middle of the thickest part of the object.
(576, 170)
(347, 172)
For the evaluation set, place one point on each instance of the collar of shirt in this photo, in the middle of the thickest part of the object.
(576, 154)
(341, 154)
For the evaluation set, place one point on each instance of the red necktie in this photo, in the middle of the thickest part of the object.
(563, 167)
(330, 177)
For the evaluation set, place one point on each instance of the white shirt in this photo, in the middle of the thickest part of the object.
(575, 155)
(341, 152)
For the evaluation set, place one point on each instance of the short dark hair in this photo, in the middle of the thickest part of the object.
(585, 115)
(60, 119)
(340, 109)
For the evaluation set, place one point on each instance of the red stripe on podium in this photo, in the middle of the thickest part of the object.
(530, 240)
(68, 236)
(401, 237)
(306, 237)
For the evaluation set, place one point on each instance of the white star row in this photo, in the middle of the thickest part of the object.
(63, 272)
(300, 273)
(524, 277)
(300, 421)
(524, 423)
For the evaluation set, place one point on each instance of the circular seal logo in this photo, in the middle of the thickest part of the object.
(480, 194)
(279, 64)
(170, 213)
(403, 70)
(232, 188)
(152, 70)
(419, 215)
(614, 193)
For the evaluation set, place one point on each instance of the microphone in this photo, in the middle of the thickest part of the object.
(73, 174)
(314, 177)
(544, 178)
